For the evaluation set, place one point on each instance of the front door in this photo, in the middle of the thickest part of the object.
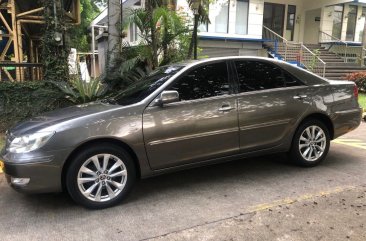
(202, 125)
(274, 17)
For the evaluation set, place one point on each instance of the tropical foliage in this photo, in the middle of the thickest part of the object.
(79, 35)
(164, 38)
(200, 10)
(80, 91)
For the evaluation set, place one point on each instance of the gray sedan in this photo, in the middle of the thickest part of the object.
(180, 116)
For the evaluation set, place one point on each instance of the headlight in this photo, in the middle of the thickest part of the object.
(28, 143)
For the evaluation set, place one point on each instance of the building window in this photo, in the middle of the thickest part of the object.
(133, 32)
(337, 21)
(241, 24)
(290, 26)
(222, 18)
(362, 23)
(351, 23)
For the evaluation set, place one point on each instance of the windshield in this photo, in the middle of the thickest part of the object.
(144, 87)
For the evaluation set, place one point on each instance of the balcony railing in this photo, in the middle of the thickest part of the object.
(20, 72)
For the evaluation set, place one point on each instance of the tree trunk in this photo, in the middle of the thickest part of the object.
(193, 43)
(195, 30)
(154, 45)
(190, 50)
(114, 35)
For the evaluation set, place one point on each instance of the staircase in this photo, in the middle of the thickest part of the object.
(336, 68)
(313, 57)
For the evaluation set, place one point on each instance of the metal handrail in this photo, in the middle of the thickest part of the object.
(276, 34)
(337, 40)
(303, 47)
(305, 53)
(358, 53)
(279, 37)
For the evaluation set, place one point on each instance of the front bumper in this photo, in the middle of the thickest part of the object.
(44, 171)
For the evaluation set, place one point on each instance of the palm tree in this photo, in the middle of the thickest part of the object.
(200, 11)
(159, 30)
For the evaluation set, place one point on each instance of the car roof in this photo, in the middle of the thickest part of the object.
(194, 62)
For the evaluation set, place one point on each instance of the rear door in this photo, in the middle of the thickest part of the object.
(201, 126)
(270, 101)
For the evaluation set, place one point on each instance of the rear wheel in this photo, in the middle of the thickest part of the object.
(100, 176)
(311, 143)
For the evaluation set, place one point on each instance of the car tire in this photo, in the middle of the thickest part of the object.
(310, 144)
(100, 176)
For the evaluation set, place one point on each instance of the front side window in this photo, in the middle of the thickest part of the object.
(256, 75)
(203, 82)
(147, 85)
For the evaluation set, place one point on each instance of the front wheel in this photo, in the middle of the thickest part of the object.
(100, 176)
(311, 143)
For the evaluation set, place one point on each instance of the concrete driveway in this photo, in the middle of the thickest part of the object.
(240, 200)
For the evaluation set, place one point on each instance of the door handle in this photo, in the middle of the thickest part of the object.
(226, 108)
(300, 97)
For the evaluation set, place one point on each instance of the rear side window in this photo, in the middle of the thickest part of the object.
(203, 82)
(256, 75)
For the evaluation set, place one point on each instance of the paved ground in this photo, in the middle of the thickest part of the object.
(253, 199)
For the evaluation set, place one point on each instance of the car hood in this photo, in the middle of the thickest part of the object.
(61, 115)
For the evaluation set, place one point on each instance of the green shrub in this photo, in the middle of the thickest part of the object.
(19, 101)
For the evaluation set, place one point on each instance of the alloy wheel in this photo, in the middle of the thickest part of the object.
(102, 177)
(312, 143)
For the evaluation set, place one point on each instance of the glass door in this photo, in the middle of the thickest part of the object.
(274, 17)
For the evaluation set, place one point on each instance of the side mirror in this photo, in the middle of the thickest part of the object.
(166, 97)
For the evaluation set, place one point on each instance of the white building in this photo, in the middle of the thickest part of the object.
(241, 27)
(237, 25)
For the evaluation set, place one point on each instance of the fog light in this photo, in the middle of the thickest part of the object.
(19, 181)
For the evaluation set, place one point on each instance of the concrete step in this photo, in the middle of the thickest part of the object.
(335, 75)
(345, 66)
(336, 78)
(341, 71)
